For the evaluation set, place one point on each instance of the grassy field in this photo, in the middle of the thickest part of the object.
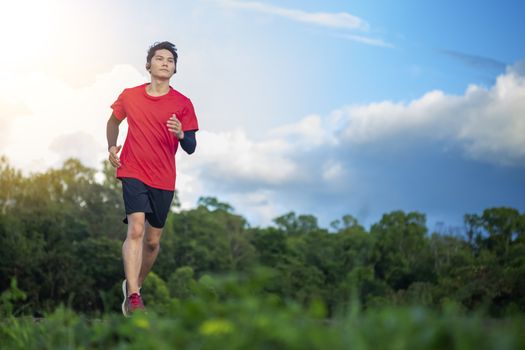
(230, 313)
(262, 323)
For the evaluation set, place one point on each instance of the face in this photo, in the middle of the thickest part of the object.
(162, 64)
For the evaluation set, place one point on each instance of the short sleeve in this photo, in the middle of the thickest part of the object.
(188, 118)
(118, 107)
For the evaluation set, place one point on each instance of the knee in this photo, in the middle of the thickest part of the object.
(136, 230)
(152, 244)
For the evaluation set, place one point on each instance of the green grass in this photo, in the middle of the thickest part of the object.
(232, 312)
(262, 322)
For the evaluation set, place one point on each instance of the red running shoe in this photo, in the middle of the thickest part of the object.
(134, 303)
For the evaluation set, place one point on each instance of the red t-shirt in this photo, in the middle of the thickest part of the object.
(149, 150)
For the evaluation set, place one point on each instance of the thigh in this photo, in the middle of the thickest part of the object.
(135, 194)
(136, 224)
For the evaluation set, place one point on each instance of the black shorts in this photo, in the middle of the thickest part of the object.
(141, 198)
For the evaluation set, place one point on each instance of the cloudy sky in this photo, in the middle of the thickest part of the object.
(320, 107)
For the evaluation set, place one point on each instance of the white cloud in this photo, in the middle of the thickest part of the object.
(308, 133)
(495, 128)
(489, 123)
(263, 205)
(333, 171)
(335, 20)
(233, 156)
(373, 122)
(341, 20)
(368, 41)
(57, 112)
(75, 145)
(9, 109)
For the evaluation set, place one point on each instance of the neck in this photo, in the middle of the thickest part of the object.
(158, 87)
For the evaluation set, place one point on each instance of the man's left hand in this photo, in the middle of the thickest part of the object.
(175, 126)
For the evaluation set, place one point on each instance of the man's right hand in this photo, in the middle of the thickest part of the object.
(113, 156)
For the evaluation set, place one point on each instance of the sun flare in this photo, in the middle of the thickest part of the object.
(25, 30)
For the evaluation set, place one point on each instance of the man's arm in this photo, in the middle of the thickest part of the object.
(112, 130)
(188, 141)
(186, 138)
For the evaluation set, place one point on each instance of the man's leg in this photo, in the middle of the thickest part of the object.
(150, 250)
(132, 250)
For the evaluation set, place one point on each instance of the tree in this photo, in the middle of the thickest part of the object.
(10, 184)
(296, 225)
(212, 204)
(402, 252)
(206, 240)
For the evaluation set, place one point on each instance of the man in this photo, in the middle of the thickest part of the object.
(159, 119)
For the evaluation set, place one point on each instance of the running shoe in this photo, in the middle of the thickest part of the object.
(125, 301)
(134, 303)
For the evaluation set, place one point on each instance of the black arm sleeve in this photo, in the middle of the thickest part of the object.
(189, 142)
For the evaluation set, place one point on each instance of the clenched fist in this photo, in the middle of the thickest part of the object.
(175, 126)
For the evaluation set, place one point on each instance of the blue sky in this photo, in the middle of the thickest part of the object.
(325, 108)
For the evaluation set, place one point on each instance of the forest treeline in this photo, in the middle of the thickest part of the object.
(61, 236)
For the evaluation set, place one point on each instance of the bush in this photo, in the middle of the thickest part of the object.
(155, 293)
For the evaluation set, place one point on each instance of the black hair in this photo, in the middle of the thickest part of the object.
(164, 45)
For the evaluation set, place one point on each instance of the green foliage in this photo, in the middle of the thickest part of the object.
(296, 225)
(213, 204)
(155, 293)
(61, 236)
(205, 240)
(181, 284)
(9, 298)
(401, 249)
(248, 322)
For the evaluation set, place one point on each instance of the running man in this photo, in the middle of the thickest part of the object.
(159, 119)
